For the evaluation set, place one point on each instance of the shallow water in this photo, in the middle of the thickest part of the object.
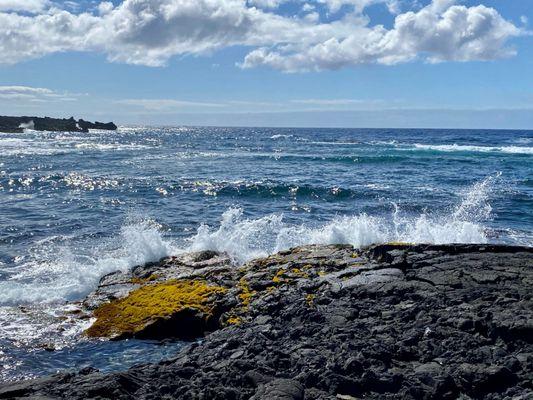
(77, 206)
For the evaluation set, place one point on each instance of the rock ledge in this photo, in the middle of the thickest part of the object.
(390, 321)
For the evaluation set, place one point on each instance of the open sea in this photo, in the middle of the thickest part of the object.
(76, 206)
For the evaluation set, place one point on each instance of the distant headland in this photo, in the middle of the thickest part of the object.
(18, 124)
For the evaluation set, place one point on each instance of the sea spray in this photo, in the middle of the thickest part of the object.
(27, 125)
(61, 272)
(244, 239)
(58, 272)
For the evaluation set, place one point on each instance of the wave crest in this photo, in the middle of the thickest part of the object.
(245, 239)
(58, 272)
(480, 149)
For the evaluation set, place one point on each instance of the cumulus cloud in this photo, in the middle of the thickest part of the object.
(359, 5)
(31, 6)
(151, 32)
(105, 7)
(439, 32)
(266, 3)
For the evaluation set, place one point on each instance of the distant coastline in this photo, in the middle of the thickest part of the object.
(18, 124)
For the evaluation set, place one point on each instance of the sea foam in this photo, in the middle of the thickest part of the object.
(244, 239)
(58, 272)
(481, 149)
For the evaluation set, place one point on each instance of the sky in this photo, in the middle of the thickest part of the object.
(309, 63)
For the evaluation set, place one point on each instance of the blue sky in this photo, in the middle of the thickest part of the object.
(353, 63)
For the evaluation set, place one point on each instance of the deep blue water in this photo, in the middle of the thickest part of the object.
(76, 206)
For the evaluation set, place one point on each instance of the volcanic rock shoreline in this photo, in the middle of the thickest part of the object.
(18, 124)
(394, 321)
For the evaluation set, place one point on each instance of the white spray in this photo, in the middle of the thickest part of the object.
(27, 125)
(69, 273)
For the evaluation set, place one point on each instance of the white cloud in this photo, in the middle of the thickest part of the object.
(25, 89)
(33, 94)
(151, 32)
(329, 102)
(163, 105)
(312, 17)
(359, 5)
(31, 6)
(266, 3)
(105, 7)
(439, 32)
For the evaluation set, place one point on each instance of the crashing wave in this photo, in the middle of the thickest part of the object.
(75, 272)
(245, 239)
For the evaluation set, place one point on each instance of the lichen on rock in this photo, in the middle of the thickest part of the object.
(176, 308)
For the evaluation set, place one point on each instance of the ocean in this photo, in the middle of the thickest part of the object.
(74, 207)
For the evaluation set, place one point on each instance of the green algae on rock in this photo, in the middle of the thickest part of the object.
(175, 308)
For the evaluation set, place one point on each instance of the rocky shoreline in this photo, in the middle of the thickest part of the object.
(389, 321)
(18, 124)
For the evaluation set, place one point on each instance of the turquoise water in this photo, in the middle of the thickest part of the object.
(77, 206)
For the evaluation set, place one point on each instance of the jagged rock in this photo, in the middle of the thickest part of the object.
(333, 322)
(86, 125)
(17, 124)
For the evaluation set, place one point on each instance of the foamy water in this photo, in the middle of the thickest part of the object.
(482, 149)
(59, 272)
(245, 239)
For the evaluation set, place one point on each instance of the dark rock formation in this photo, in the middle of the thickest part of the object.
(333, 322)
(17, 124)
(86, 125)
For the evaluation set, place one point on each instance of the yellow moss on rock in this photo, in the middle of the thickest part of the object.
(131, 314)
(278, 277)
(234, 320)
(246, 294)
(299, 273)
(289, 275)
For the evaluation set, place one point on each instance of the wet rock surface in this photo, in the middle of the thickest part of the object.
(334, 322)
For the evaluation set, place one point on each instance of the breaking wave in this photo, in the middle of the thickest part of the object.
(280, 136)
(58, 272)
(245, 239)
(481, 149)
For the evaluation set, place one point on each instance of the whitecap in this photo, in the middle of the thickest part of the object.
(280, 136)
(244, 239)
(481, 149)
(57, 272)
